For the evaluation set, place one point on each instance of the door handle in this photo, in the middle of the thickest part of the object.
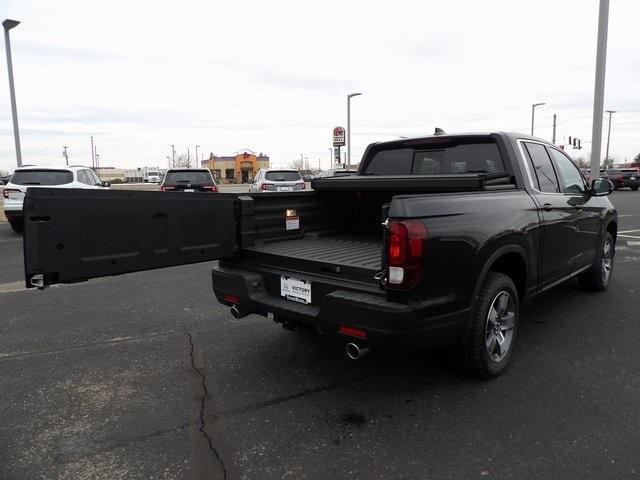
(547, 207)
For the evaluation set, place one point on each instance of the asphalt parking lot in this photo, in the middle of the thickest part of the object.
(146, 376)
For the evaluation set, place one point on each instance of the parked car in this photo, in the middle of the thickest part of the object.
(272, 180)
(5, 179)
(622, 177)
(33, 177)
(188, 180)
(436, 241)
(335, 172)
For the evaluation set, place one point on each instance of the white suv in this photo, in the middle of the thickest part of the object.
(51, 177)
(272, 180)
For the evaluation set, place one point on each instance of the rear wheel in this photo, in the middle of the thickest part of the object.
(16, 224)
(598, 276)
(635, 188)
(494, 330)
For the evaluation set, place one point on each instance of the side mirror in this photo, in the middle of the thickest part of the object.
(601, 187)
(106, 184)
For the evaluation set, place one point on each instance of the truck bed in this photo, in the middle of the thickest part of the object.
(348, 252)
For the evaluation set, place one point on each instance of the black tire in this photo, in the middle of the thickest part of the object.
(475, 357)
(17, 225)
(635, 188)
(598, 277)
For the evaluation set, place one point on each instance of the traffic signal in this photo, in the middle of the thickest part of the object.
(574, 142)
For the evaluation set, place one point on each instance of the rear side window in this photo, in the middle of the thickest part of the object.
(282, 176)
(189, 176)
(446, 159)
(42, 177)
(543, 172)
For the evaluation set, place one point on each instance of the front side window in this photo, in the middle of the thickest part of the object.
(543, 171)
(83, 177)
(571, 179)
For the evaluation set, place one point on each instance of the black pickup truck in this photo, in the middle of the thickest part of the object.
(435, 241)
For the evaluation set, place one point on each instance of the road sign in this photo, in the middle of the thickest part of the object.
(338, 137)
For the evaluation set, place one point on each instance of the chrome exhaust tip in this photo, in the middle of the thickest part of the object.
(355, 351)
(235, 313)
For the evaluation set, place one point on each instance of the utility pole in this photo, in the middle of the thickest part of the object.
(8, 25)
(173, 155)
(606, 157)
(65, 155)
(96, 167)
(188, 158)
(349, 126)
(598, 93)
(93, 157)
(554, 129)
(97, 170)
(197, 156)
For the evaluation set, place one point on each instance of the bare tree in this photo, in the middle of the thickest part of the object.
(297, 164)
(182, 161)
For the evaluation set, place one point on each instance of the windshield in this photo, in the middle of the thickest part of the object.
(188, 176)
(283, 176)
(439, 159)
(155, 174)
(42, 177)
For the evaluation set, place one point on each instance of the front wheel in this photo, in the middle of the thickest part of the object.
(16, 224)
(598, 276)
(494, 329)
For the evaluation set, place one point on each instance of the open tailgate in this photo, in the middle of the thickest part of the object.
(72, 235)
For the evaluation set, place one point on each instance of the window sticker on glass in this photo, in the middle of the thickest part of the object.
(292, 219)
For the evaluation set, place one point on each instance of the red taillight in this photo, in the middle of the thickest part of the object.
(406, 243)
(268, 186)
(352, 331)
(621, 178)
(300, 186)
(6, 191)
(213, 188)
(231, 298)
(164, 188)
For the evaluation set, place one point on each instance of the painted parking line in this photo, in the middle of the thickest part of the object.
(630, 231)
(629, 236)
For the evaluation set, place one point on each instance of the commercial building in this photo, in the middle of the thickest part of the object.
(239, 168)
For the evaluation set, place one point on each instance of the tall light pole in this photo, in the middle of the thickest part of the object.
(606, 157)
(197, 155)
(533, 114)
(173, 155)
(598, 92)
(65, 155)
(349, 127)
(8, 25)
(93, 157)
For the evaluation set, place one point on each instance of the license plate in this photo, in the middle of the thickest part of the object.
(189, 190)
(285, 189)
(16, 195)
(295, 289)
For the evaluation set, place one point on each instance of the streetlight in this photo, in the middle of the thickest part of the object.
(606, 158)
(533, 114)
(197, 155)
(349, 127)
(598, 91)
(8, 25)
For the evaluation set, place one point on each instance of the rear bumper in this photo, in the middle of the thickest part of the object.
(13, 214)
(386, 324)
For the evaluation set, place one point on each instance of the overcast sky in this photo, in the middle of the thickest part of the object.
(272, 76)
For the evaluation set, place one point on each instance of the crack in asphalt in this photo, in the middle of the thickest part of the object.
(203, 399)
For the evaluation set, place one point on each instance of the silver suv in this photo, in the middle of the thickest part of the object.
(273, 180)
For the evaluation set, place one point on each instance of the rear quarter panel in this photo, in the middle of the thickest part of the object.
(465, 230)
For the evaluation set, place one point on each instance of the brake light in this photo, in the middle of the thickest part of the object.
(406, 244)
(213, 188)
(300, 186)
(6, 191)
(164, 188)
(231, 298)
(621, 178)
(352, 331)
(268, 186)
